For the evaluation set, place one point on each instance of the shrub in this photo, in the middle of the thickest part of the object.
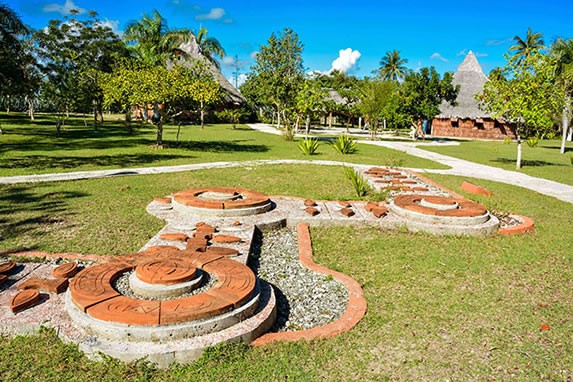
(507, 141)
(344, 144)
(532, 141)
(308, 146)
(360, 185)
(288, 134)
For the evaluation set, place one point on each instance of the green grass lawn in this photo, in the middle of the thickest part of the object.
(543, 161)
(33, 147)
(439, 308)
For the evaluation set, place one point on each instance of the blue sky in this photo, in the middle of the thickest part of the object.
(352, 36)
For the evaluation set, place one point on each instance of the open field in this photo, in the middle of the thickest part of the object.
(33, 148)
(543, 161)
(439, 308)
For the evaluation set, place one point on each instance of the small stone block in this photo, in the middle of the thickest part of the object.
(199, 224)
(369, 206)
(24, 300)
(163, 200)
(419, 188)
(7, 267)
(344, 204)
(58, 285)
(311, 211)
(197, 241)
(207, 229)
(226, 239)
(202, 235)
(237, 223)
(309, 203)
(174, 236)
(379, 211)
(222, 251)
(65, 271)
(348, 212)
(3, 279)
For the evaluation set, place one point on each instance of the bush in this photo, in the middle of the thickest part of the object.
(360, 185)
(532, 141)
(308, 146)
(344, 144)
(507, 141)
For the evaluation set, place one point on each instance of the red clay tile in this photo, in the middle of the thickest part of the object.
(369, 206)
(222, 251)
(66, 270)
(311, 211)
(348, 212)
(475, 189)
(126, 310)
(165, 271)
(58, 285)
(379, 211)
(24, 299)
(7, 267)
(237, 223)
(3, 279)
(174, 236)
(309, 203)
(226, 239)
(202, 235)
(192, 308)
(166, 200)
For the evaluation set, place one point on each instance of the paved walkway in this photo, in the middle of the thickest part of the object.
(462, 167)
(459, 167)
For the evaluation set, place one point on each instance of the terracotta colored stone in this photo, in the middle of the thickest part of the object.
(200, 224)
(206, 229)
(192, 308)
(66, 270)
(248, 198)
(409, 181)
(226, 239)
(3, 279)
(527, 225)
(396, 181)
(309, 203)
(348, 212)
(222, 251)
(24, 299)
(237, 223)
(344, 204)
(166, 200)
(311, 211)
(174, 236)
(394, 173)
(369, 206)
(379, 211)
(236, 282)
(400, 177)
(126, 310)
(197, 241)
(193, 247)
(475, 189)
(165, 271)
(58, 285)
(7, 267)
(420, 189)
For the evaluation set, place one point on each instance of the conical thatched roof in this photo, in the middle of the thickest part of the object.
(231, 94)
(334, 96)
(471, 79)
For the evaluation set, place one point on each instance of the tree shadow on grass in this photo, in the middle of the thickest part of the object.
(43, 162)
(526, 162)
(26, 212)
(223, 146)
(567, 149)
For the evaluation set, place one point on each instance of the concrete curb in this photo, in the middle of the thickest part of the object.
(355, 310)
(527, 225)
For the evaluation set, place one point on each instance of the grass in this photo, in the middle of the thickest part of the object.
(33, 148)
(543, 161)
(455, 308)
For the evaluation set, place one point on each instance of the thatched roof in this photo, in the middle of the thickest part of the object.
(334, 96)
(231, 94)
(471, 79)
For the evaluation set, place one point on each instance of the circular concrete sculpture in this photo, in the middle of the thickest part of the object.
(221, 202)
(445, 215)
(169, 323)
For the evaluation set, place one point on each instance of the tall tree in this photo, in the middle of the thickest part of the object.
(72, 54)
(524, 94)
(309, 100)
(392, 67)
(380, 100)
(562, 50)
(210, 46)
(524, 48)
(278, 72)
(423, 92)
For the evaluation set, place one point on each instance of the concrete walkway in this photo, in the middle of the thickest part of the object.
(458, 167)
(462, 167)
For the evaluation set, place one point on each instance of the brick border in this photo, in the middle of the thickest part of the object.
(46, 255)
(475, 189)
(527, 225)
(435, 184)
(355, 310)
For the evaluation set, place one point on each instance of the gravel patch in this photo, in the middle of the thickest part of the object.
(121, 284)
(305, 299)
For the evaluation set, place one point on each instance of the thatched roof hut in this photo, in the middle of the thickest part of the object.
(231, 94)
(471, 79)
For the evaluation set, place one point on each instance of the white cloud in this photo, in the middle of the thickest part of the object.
(113, 25)
(64, 9)
(228, 61)
(253, 54)
(241, 78)
(462, 52)
(481, 54)
(346, 61)
(498, 42)
(438, 56)
(214, 14)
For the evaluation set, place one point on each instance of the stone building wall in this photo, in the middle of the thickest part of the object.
(483, 128)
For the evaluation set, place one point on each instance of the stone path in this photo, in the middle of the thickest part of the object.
(459, 167)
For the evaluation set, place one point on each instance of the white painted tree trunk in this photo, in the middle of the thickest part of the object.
(565, 122)
(518, 161)
(360, 123)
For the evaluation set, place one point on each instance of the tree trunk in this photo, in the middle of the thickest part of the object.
(278, 119)
(202, 116)
(159, 134)
(565, 122)
(360, 123)
(330, 120)
(296, 123)
(30, 108)
(178, 131)
(518, 161)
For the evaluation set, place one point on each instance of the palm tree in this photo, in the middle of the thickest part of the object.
(11, 50)
(525, 48)
(392, 67)
(210, 46)
(562, 50)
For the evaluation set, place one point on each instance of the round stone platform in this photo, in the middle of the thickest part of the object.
(221, 201)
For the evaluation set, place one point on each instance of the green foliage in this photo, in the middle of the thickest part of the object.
(571, 159)
(507, 140)
(380, 100)
(344, 144)
(309, 146)
(359, 184)
(532, 141)
(233, 116)
(392, 67)
(309, 100)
